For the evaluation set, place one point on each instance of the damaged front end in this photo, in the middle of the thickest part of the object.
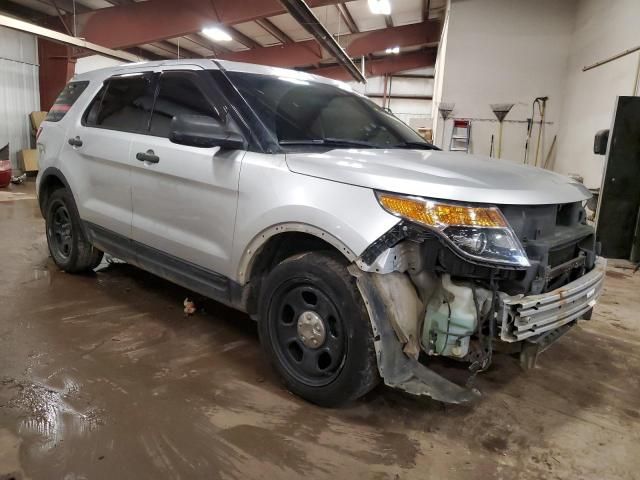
(428, 297)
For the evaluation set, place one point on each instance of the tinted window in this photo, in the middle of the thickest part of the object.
(179, 94)
(65, 100)
(124, 103)
(298, 110)
(91, 115)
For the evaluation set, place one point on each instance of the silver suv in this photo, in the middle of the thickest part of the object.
(363, 252)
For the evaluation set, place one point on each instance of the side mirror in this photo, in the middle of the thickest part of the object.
(203, 131)
(600, 142)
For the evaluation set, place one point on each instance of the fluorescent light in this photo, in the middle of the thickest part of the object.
(214, 33)
(394, 50)
(380, 7)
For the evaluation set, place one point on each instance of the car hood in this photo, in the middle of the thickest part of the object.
(438, 174)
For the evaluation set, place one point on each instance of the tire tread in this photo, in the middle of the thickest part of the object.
(359, 382)
(86, 257)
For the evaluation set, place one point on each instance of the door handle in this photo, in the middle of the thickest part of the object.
(148, 156)
(75, 142)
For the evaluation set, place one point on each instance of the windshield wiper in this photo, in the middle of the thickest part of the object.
(332, 142)
(419, 145)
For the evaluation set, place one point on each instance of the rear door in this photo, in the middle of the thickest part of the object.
(184, 202)
(98, 149)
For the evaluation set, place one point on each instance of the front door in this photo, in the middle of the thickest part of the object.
(184, 198)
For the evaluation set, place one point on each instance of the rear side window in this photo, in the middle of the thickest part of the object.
(65, 100)
(124, 104)
(179, 94)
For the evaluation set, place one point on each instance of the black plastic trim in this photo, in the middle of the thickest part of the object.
(242, 110)
(410, 231)
(194, 277)
(44, 176)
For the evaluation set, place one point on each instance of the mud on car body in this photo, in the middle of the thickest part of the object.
(362, 251)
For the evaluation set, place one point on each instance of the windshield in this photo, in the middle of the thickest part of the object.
(306, 113)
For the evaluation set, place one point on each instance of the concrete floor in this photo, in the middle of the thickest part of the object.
(102, 376)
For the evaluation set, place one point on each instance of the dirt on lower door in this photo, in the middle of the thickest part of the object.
(104, 376)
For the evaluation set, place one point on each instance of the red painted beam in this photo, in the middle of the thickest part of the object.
(138, 23)
(308, 52)
(382, 66)
(57, 66)
(289, 55)
(406, 36)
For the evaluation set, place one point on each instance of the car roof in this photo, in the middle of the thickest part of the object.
(209, 64)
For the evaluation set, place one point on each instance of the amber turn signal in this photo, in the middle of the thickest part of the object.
(441, 215)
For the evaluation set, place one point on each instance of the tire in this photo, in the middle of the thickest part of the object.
(315, 329)
(68, 245)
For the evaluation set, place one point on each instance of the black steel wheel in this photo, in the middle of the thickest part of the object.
(316, 330)
(60, 232)
(69, 248)
(310, 339)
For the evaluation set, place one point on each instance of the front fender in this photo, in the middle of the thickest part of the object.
(273, 198)
(251, 252)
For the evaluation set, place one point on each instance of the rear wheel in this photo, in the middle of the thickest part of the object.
(315, 328)
(68, 246)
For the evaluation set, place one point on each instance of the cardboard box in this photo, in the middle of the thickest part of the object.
(36, 119)
(426, 133)
(29, 160)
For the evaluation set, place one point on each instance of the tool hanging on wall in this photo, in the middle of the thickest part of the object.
(526, 143)
(542, 105)
(500, 110)
(445, 110)
(491, 147)
(541, 102)
(550, 152)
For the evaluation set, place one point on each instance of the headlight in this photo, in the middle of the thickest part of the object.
(478, 232)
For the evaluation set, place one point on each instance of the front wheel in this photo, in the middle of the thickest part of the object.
(68, 246)
(315, 328)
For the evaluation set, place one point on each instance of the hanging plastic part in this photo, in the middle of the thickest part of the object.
(486, 341)
(396, 368)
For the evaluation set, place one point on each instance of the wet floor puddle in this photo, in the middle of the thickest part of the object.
(50, 413)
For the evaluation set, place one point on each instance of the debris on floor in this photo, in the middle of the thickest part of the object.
(111, 260)
(19, 180)
(189, 307)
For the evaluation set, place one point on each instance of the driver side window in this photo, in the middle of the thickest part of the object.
(179, 94)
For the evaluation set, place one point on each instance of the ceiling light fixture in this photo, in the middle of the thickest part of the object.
(380, 7)
(394, 50)
(214, 33)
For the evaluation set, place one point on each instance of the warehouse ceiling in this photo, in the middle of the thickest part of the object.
(260, 32)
